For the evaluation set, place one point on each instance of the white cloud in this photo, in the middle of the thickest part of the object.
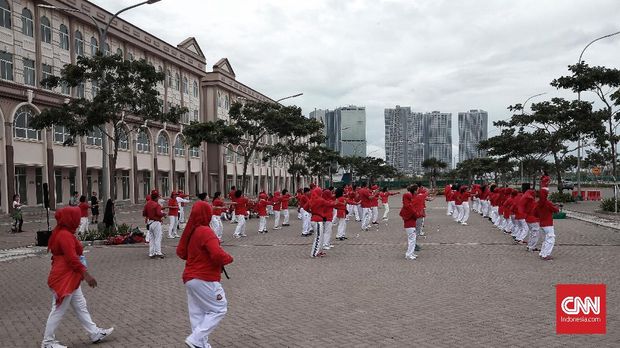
(430, 54)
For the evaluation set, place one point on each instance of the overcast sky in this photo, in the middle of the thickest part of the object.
(441, 55)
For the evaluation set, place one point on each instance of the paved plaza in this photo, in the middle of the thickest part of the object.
(470, 287)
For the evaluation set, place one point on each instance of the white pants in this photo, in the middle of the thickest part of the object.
(317, 245)
(233, 217)
(411, 237)
(549, 241)
(465, 215)
(485, 209)
(305, 221)
(359, 212)
(522, 229)
(276, 221)
(240, 229)
(299, 215)
(78, 302)
(155, 240)
(270, 209)
(366, 218)
(375, 214)
(262, 223)
(83, 225)
(327, 236)
(475, 204)
(217, 227)
(386, 210)
(458, 212)
(207, 306)
(181, 214)
(451, 207)
(419, 225)
(172, 229)
(534, 234)
(285, 214)
(342, 227)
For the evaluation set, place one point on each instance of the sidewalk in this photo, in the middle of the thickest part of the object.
(590, 211)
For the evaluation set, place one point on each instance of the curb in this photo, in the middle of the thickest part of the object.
(592, 219)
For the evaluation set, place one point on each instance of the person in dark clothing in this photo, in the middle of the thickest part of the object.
(94, 208)
(108, 214)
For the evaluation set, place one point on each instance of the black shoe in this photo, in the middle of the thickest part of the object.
(417, 248)
(285, 224)
(305, 234)
(344, 238)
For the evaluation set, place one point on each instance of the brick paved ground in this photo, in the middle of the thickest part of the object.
(470, 287)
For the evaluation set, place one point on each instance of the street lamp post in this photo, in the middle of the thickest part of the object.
(523, 111)
(579, 99)
(103, 33)
(273, 177)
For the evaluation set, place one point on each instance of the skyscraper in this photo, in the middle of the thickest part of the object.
(344, 129)
(473, 128)
(412, 137)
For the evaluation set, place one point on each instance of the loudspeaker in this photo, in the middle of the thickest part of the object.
(43, 237)
(46, 195)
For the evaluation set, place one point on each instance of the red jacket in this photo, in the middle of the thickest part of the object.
(83, 209)
(545, 210)
(262, 207)
(364, 195)
(277, 202)
(241, 208)
(173, 207)
(218, 206)
(341, 207)
(303, 202)
(284, 199)
(152, 211)
(408, 211)
(318, 206)
(205, 257)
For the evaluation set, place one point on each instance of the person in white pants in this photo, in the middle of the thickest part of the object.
(181, 201)
(217, 226)
(545, 210)
(285, 197)
(205, 259)
(241, 209)
(340, 217)
(155, 239)
(84, 221)
(464, 196)
(407, 213)
(173, 215)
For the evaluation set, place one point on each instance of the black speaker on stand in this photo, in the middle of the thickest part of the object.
(43, 236)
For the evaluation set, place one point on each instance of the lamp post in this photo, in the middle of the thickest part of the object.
(579, 99)
(103, 33)
(290, 96)
(523, 111)
(273, 178)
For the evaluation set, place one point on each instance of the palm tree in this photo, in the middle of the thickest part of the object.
(433, 166)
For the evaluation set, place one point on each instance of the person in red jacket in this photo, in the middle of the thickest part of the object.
(458, 203)
(545, 179)
(464, 196)
(68, 270)
(218, 210)
(545, 210)
(231, 196)
(318, 205)
(241, 210)
(284, 199)
(261, 206)
(298, 195)
(173, 216)
(447, 192)
(153, 214)
(304, 208)
(385, 198)
(84, 222)
(532, 220)
(341, 214)
(328, 214)
(374, 204)
(277, 207)
(409, 216)
(365, 197)
(204, 262)
(353, 204)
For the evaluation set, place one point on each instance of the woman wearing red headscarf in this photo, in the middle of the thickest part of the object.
(204, 260)
(409, 215)
(68, 271)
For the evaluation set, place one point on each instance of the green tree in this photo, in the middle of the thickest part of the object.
(605, 84)
(322, 161)
(126, 91)
(433, 166)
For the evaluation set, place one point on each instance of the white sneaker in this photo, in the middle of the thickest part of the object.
(101, 335)
(464, 223)
(412, 257)
(276, 228)
(422, 234)
(327, 247)
(54, 344)
(237, 236)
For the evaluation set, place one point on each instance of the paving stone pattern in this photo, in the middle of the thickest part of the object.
(470, 287)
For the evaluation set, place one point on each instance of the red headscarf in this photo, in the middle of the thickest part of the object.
(67, 219)
(63, 277)
(200, 216)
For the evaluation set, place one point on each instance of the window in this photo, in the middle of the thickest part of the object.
(161, 104)
(21, 184)
(5, 14)
(64, 37)
(146, 183)
(94, 137)
(125, 183)
(179, 147)
(38, 175)
(185, 85)
(169, 79)
(195, 115)
(107, 49)
(219, 99)
(29, 72)
(80, 90)
(95, 85)
(6, 66)
(27, 23)
(46, 70)
(143, 144)
(162, 144)
(58, 184)
(79, 44)
(176, 81)
(64, 88)
(239, 157)
(94, 46)
(228, 155)
(119, 52)
(185, 118)
(226, 102)
(60, 134)
(195, 89)
(46, 30)
(21, 124)
(123, 139)
(130, 56)
(194, 152)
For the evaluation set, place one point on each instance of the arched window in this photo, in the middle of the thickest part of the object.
(107, 49)
(239, 157)
(60, 134)
(226, 102)
(123, 139)
(162, 144)
(257, 157)
(130, 56)
(185, 85)
(169, 79)
(46, 30)
(228, 155)
(194, 152)
(119, 52)
(63, 33)
(27, 23)
(94, 46)
(94, 137)
(179, 146)
(143, 143)
(21, 124)
(79, 43)
(5, 14)
(177, 80)
(195, 89)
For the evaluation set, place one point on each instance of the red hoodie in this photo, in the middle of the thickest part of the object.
(341, 207)
(408, 211)
(364, 195)
(546, 209)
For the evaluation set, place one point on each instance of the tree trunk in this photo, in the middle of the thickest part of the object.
(558, 171)
(244, 176)
(613, 145)
(112, 166)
